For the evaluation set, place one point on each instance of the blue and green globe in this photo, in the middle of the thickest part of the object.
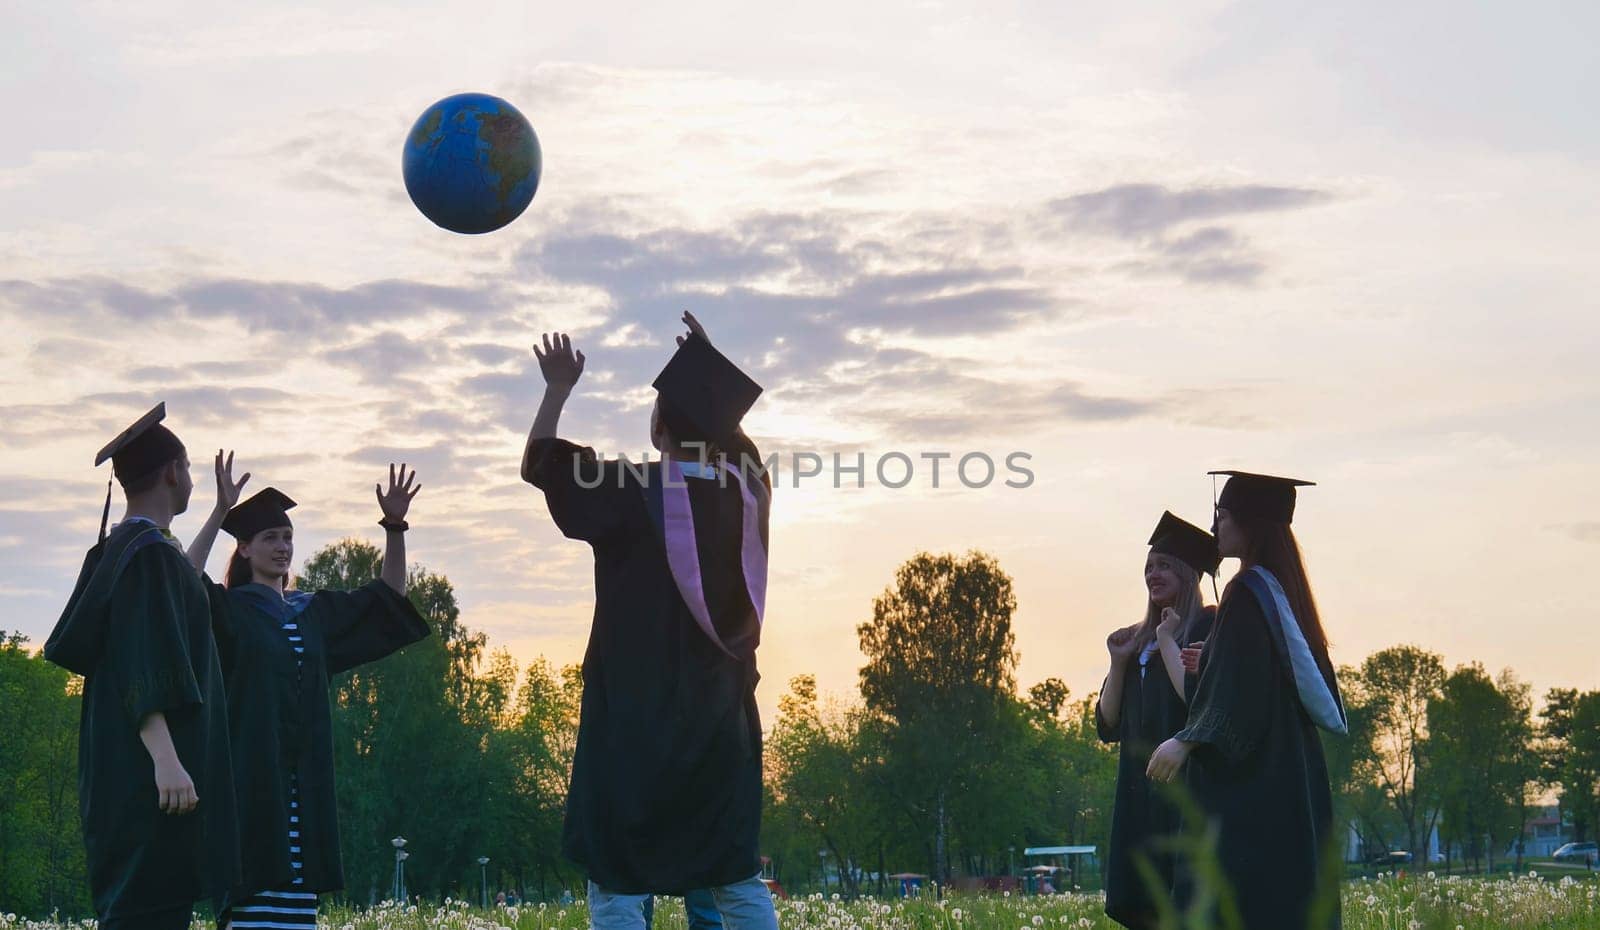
(471, 163)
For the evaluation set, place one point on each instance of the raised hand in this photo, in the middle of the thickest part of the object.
(559, 363)
(1171, 620)
(397, 501)
(695, 329)
(228, 489)
(1120, 642)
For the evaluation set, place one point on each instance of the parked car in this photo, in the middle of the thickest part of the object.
(1577, 852)
(1397, 857)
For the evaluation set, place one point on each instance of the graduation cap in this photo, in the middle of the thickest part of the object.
(141, 448)
(704, 394)
(136, 452)
(1186, 542)
(269, 508)
(1260, 497)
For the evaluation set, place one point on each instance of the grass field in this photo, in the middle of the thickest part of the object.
(1425, 902)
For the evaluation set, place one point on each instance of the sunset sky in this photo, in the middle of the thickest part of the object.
(1353, 243)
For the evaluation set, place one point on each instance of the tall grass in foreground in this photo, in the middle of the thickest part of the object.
(1422, 902)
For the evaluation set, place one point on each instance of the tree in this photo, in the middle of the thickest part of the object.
(1354, 771)
(531, 756)
(1396, 686)
(1571, 757)
(940, 668)
(1478, 746)
(41, 851)
(822, 778)
(408, 731)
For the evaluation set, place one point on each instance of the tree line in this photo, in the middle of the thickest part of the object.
(937, 764)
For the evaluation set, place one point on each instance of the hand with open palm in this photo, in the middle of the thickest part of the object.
(560, 364)
(397, 501)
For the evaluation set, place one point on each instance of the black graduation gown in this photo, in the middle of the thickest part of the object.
(1259, 772)
(138, 628)
(1152, 711)
(665, 794)
(281, 722)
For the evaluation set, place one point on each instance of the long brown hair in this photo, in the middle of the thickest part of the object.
(239, 572)
(1273, 547)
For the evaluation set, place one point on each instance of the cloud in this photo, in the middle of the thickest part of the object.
(274, 307)
(1132, 211)
(1157, 222)
(1586, 532)
(818, 306)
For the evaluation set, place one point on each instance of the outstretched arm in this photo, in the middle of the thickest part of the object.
(561, 366)
(395, 504)
(227, 495)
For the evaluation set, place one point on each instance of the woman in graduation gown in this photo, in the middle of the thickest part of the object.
(1142, 704)
(278, 649)
(1249, 753)
(665, 793)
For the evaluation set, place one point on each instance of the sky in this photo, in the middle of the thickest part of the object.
(1350, 243)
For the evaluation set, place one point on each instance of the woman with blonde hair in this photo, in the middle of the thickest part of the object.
(1142, 703)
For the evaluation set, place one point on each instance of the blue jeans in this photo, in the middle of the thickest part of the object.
(744, 905)
(700, 905)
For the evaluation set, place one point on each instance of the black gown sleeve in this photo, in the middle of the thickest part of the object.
(588, 498)
(147, 654)
(1108, 733)
(1231, 709)
(364, 625)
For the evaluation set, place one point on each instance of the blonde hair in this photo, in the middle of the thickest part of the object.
(1188, 604)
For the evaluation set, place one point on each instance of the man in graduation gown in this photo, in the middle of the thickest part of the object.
(154, 783)
(665, 795)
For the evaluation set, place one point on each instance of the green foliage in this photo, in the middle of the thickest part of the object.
(1479, 731)
(940, 680)
(1392, 691)
(938, 765)
(41, 853)
(441, 746)
(1571, 759)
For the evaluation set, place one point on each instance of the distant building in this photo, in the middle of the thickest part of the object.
(1544, 833)
(1356, 849)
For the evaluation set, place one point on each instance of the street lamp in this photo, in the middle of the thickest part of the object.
(400, 857)
(483, 865)
(1011, 859)
(822, 866)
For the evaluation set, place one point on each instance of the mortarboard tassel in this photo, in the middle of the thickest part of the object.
(105, 514)
(1214, 591)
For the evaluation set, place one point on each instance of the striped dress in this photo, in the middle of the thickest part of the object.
(288, 908)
